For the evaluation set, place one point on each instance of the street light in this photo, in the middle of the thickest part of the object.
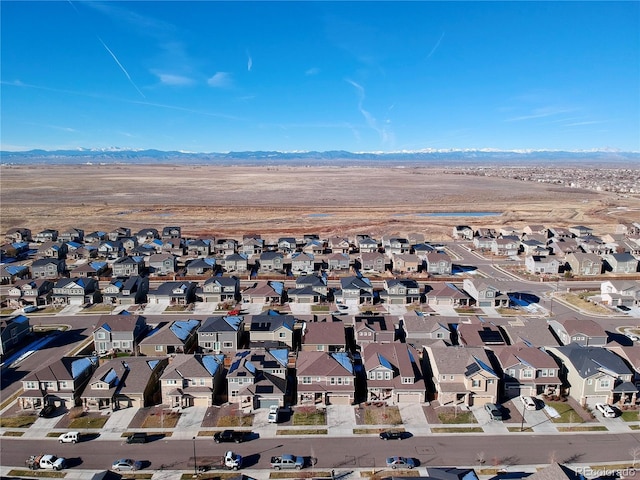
(524, 409)
(195, 460)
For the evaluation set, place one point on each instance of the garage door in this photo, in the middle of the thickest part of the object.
(267, 402)
(409, 398)
(478, 400)
(397, 301)
(200, 402)
(338, 400)
(304, 300)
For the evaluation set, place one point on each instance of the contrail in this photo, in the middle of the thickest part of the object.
(435, 47)
(121, 67)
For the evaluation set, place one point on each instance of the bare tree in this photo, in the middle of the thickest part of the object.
(635, 453)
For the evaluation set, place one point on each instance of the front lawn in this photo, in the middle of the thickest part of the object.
(19, 421)
(452, 416)
(309, 416)
(567, 414)
(235, 421)
(457, 430)
(87, 421)
(381, 415)
(305, 431)
(161, 419)
(630, 415)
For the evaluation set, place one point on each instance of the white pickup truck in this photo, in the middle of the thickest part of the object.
(48, 462)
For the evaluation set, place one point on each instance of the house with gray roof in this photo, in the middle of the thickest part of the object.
(126, 291)
(302, 263)
(394, 373)
(220, 289)
(179, 336)
(118, 333)
(162, 263)
(325, 378)
(271, 329)
(221, 334)
(354, 291)
(201, 266)
(400, 291)
(18, 234)
(236, 262)
(542, 264)
(462, 376)
(174, 293)
(59, 383)
(485, 293)
(252, 246)
(200, 247)
(367, 244)
(338, 262)
(75, 291)
(421, 330)
(48, 268)
(309, 289)
(462, 232)
(225, 247)
(372, 261)
(13, 331)
(271, 262)
(46, 235)
(257, 378)
(123, 382)
(128, 266)
(584, 331)
(192, 380)
(587, 264)
(621, 263)
(594, 375)
(620, 292)
(51, 249)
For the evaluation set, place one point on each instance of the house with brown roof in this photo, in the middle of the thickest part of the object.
(582, 331)
(124, 382)
(118, 333)
(438, 263)
(462, 375)
(374, 329)
(257, 378)
(302, 263)
(31, 292)
(192, 380)
(394, 373)
(58, 384)
(476, 332)
(446, 294)
(220, 289)
(366, 244)
(406, 263)
(180, 336)
(264, 292)
(528, 371)
(422, 330)
(373, 261)
(338, 245)
(325, 378)
(505, 246)
(338, 262)
(18, 234)
(531, 331)
(162, 263)
(324, 336)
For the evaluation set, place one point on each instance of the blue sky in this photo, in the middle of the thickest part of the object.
(359, 76)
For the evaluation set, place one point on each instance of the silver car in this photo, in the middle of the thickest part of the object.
(126, 465)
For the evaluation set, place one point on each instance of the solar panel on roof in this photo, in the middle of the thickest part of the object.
(489, 336)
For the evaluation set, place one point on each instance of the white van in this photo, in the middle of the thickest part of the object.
(274, 412)
(69, 437)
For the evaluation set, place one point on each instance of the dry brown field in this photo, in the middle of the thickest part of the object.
(229, 201)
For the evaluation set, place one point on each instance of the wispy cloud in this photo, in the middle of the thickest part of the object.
(312, 71)
(435, 47)
(121, 66)
(368, 117)
(174, 80)
(221, 80)
(249, 61)
(586, 122)
(542, 112)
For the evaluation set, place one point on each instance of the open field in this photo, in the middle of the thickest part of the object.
(279, 200)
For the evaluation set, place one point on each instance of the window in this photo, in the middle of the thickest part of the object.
(604, 383)
(475, 383)
(339, 379)
(379, 375)
(526, 373)
(101, 336)
(439, 335)
(170, 382)
(31, 385)
(227, 344)
(320, 348)
(544, 372)
(126, 344)
(347, 381)
(306, 380)
(202, 382)
(159, 348)
(63, 384)
(116, 344)
(282, 334)
(387, 375)
(511, 372)
(332, 381)
(408, 380)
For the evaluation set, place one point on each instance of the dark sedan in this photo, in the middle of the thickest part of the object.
(394, 435)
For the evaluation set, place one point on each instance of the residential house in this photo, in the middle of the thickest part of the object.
(532, 246)
(257, 378)
(264, 292)
(221, 334)
(478, 333)
(179, 336)
(313, 248)
(506, 246)
(338, 262)
(201, 266)
(75, 291)
(126, 291)
(621, 263)
(483, 243)
(594, 374)
(584, 332)
(173, 293)
(421, 330)
(220, 289)
(325, 378)
(128, 267)
(394, 374)
(118, 333)
(13, 331)
(18, 235)
(309, 289)
(528, 331)
(338, 245)
(367, 245)
(199, 247)
(302, 263)
(162, 263)
(438, 263)
(170, 233)
(580, 230)
(373, 262)
(535, 229)
(235, 262)
(395, 246)
(561, 247)
(50, 249)
(111, 249)
(324, 336)
(95, 238)
(192, 380)
(584, 263)
(406, 263)
(59, 384)
(90, 270)
(252, 246)
(446, 294)
(174, 246)
(147, 235)
(12, 273)
(354, 291)
(462, 232)
(47, 235)
(71, 235)
(75, 251)
(225, 247)
(402, 291)
(31, 292)
(129, 244)
(631, 355)
(484, 293)
(422, 250)
(508, 231)
(620, 292)
(542, 264)
(271, 329)
(271, 262)
(463, 376)
(119, 233)
(527, 371)
(131, 382)
(374, 329)
(287, 245)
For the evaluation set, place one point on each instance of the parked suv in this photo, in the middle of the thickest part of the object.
(274, 413)
(69, 437)
(138, 437)
(494, 410)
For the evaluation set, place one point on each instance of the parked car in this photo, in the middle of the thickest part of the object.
(494, 410)
(47, 411)
(126, 464)
(529, 403)
(69, 437)
(230, 436)
(274, 413)
(30, 309)
(137, 437)
(393, 435)
(400, 462)
(606, 410)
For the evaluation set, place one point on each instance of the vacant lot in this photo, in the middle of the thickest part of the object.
(278, 200)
